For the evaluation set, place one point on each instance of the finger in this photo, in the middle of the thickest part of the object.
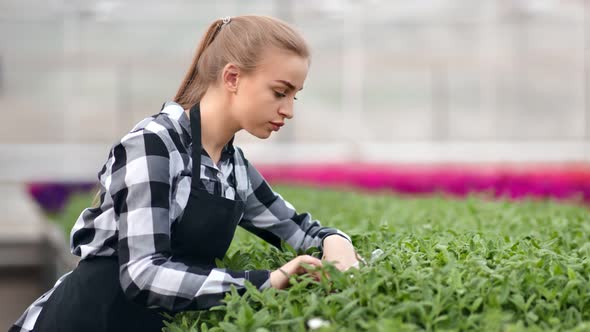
(297, 264)
(308, 268)
(311, 260)
(316, 276)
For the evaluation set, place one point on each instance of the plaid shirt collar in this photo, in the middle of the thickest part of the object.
(176, 111)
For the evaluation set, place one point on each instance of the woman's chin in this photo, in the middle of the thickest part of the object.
(262, 134)
(265, 135)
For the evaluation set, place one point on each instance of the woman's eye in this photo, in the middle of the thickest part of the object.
(282, 95)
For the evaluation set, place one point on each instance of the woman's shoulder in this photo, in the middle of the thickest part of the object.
(168, 125)
(170, 117)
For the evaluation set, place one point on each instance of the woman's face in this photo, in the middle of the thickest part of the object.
(266, 95)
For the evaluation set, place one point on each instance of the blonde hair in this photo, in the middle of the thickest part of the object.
(241, 42)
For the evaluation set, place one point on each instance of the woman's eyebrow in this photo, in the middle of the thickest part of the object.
(288, 84)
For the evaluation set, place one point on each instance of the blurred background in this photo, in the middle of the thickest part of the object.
(404, 88)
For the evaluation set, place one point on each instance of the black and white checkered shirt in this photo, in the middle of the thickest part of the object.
(144, 187)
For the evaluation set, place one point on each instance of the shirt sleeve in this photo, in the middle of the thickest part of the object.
(273, 218)
(140, 185)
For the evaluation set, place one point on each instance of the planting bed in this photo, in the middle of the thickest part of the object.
(446, 265)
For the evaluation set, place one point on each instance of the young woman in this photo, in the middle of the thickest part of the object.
(175, 187)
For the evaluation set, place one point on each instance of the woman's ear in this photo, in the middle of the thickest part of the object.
(230, 77)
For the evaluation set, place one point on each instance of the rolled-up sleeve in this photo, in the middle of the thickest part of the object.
(273, 218)
(139, 185)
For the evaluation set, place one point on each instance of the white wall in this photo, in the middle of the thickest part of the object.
(390, 80)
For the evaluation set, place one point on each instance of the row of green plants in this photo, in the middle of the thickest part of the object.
(433, 264)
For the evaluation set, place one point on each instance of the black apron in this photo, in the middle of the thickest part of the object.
(91, 298)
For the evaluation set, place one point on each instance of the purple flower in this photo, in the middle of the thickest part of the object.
(53, 196)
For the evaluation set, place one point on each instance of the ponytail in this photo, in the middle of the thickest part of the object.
(189, 91)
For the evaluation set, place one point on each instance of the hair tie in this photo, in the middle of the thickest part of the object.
(224, 21)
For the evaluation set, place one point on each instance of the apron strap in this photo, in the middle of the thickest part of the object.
(195, 119)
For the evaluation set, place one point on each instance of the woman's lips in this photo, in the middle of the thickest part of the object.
(276, 125)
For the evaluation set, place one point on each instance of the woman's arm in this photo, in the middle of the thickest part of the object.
(139, 185)
(271, 217)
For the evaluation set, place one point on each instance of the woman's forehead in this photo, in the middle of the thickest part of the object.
(285, 68)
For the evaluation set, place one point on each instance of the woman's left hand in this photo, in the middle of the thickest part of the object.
(340, 252)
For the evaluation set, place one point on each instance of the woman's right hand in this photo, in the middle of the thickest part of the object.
(280, 278)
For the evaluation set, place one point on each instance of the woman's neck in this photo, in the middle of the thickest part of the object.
(216, 124)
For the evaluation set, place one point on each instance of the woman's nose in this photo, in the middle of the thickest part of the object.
(287, 110)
